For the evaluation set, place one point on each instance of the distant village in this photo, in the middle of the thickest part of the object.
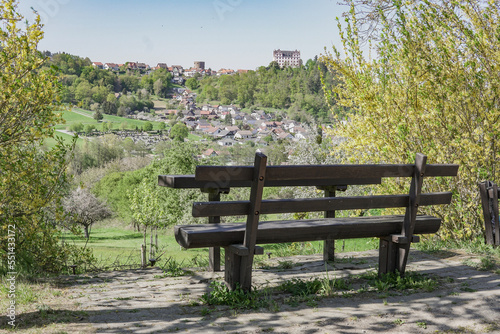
(226, 125)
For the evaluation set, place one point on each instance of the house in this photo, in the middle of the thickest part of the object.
(206, 113)
(232, 129)
(98, 65)
(243, 134)
(132, 65)
(284, 136)
(226, 142)
(210, 153)
(203, 126)
(177, 70)
(161, 65)
(224, 134)
(224, 71)
(111, 66)
(212, 131)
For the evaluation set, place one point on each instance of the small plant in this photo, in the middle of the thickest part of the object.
(285, 265)
(398, 322)
(237, 298)
(422, 324)
(172, 268)
(487, 263)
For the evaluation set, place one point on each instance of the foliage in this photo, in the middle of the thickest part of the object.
(221, 295)
(433, 88)
(409, 282)
(85, 209)
(148, 126)
(179, 132)
(192, 83)
(30, 177)
(97, 152)
(299, 90)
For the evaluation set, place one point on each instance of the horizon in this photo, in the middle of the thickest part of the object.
(231, 34)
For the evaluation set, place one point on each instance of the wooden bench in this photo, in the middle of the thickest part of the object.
(240, 240)
(489, 200)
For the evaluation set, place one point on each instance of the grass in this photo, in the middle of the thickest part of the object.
(40, 307)
(78, 115)
(111, 245)
(309, 291)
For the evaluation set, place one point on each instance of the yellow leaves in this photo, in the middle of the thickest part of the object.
(435, 92)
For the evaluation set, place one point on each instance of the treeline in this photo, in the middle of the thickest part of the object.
(297, 90)
(114, 93)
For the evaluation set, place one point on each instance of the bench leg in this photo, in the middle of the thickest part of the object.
(388, 256)
(329, 250)
(232, 268)
(214, 259)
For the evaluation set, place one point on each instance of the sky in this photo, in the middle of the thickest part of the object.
(235, 34)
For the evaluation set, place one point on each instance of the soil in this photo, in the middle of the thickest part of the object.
(147, 301)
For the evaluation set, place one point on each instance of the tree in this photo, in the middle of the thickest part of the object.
(85, 209)
(148, 126)
(434, 88)
(31, 177)
(98, 115)
(192, 83)
(179, 132)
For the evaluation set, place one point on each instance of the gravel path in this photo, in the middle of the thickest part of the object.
(143, 301)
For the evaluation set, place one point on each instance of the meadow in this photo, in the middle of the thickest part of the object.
(85, 117)
(118, 246)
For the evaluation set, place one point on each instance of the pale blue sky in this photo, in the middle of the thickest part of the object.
(237, 34)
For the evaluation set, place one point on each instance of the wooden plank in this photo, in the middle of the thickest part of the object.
(253, 215)
(495, 227)
(329, 243)
(219, 176)
(214, 252)
(411, 210)
(189, 182)
(239, 208)
(485, 203)
(223, 235)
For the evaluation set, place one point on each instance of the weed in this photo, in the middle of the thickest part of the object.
(123, 298)
(172, 268)
(237, 298)
(285, 265)
(422, 324)
(398, 322)
(487, 263)
(205, 311)
(394, 281)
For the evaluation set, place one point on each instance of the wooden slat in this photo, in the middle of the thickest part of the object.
(253, 216)
(239, 208)
(485, 202)
(411, 210)
(223, 235)
(189, 182)
(496, 221)
(221, 175)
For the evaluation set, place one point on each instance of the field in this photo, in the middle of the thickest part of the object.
(78, 115)
(122, 244)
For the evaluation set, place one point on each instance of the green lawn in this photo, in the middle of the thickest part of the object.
(78, 115)
(112, 243)
(86, 117)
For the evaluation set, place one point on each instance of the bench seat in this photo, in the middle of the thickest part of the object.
(224, 235)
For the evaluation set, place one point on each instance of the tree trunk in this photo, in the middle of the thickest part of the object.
(86, 231)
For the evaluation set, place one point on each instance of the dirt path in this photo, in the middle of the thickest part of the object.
(144, 301)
